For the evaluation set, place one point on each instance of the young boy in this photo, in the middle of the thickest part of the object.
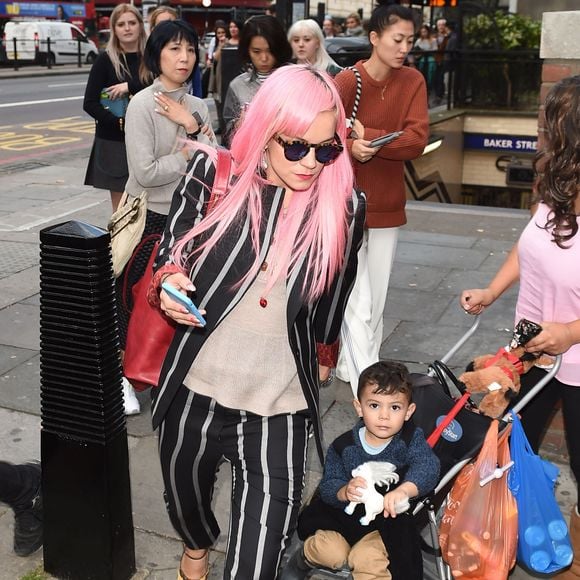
(385, 433)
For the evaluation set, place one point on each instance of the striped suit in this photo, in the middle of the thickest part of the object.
(268, 485)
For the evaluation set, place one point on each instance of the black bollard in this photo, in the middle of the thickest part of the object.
(88, 524)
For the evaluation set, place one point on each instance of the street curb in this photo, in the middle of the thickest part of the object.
(23, 73)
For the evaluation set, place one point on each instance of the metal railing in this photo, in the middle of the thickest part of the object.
(483, 79)
(19, 51)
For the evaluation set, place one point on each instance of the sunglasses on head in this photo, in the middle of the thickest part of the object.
(298, 149)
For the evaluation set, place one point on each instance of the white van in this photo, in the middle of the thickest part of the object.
(32, 42)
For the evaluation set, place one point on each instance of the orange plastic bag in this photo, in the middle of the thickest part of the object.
(478, 532)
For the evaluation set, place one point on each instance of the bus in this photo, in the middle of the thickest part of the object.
(82, 13)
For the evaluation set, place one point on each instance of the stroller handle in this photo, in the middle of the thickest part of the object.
(447, 357)
(537, 388)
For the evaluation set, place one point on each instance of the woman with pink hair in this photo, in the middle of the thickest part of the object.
(270, 266)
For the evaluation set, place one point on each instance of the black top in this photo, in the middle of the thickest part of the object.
(102, 75)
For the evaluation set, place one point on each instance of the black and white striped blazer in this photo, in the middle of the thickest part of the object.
(216, 276)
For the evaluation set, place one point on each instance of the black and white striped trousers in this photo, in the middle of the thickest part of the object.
(267, 456)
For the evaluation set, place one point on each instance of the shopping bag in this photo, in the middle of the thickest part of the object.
(544, 542)
(478, 532)
(149, 335)
(126, 228)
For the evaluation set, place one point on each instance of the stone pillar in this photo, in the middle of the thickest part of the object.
(560, 49)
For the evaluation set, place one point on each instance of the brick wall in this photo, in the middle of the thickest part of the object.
(560, 50)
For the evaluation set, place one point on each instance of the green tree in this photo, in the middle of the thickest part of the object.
(502, 31)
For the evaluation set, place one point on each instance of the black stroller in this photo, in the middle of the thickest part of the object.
(435, 394)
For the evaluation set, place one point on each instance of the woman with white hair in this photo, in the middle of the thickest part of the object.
(307, 41)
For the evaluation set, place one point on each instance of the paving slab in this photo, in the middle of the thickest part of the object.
(16, 257)
(20, 441)
(20, 387)
(20, 326)
(437, 256)
(436, 239)
(458, 280)
(416, 342)
(12, 357)
(426, 278)
(416, 304)
(19, 286)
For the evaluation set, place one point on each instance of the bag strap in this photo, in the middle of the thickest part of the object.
(357, 95)
(222, 177)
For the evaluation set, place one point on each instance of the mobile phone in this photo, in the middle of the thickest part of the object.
(198, 119)
(380, 141)
(184, 301)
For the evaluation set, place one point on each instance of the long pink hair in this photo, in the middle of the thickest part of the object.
(316, 222)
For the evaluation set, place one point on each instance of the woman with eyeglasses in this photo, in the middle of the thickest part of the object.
(270, 265)
(393, 98)
(263, 47)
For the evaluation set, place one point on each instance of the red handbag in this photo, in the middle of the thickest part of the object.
(150, 332)
(149, 335)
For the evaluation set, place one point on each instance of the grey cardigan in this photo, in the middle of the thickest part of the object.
(154, 145)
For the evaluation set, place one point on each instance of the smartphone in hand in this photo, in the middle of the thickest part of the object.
(177, 296)
(380, 141)
(198, 119)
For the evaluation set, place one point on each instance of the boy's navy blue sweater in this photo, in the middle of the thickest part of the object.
(408, 451)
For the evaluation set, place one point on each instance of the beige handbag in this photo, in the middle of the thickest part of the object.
(126, 228)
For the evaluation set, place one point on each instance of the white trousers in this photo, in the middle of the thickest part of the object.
(362, 327)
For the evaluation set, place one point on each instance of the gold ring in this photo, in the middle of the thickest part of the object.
(166, 107)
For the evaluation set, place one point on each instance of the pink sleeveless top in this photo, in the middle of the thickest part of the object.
(550, 284)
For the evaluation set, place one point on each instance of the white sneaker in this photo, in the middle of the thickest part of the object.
(130, 401)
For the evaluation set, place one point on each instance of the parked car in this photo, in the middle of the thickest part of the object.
(32, 42)
(103, 38)
(347, 50)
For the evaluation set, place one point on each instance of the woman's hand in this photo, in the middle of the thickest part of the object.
(175, 112)
(118, 91)
(474, 301)
(555, 338)
(171, 307)
(358, 130)
(362, 151)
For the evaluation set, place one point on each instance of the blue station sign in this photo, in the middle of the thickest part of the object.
(41, 9)
(491, 142)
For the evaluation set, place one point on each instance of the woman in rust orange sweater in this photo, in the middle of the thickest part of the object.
(394, 98)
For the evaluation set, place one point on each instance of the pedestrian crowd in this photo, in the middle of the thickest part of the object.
(284, 238)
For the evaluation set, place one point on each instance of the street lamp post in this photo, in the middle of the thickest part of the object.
(206, 4)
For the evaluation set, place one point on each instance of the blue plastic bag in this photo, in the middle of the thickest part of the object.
(543, 539)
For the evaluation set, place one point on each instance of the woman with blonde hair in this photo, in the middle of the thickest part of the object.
(307, 42)
(271, 265)
(161, 14)
(115, 75)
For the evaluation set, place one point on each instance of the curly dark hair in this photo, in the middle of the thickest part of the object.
(558, 163)
(386, 377)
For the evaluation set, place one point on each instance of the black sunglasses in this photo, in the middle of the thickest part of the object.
(298, 149)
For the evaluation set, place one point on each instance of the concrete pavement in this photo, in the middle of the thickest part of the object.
(442, 250)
